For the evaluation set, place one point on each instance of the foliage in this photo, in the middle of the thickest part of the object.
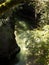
(33, 43)
(42, 12)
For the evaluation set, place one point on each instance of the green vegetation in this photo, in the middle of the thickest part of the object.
(32, 35)
(35, 44)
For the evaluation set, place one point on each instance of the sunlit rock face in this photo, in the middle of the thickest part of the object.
(8, 45)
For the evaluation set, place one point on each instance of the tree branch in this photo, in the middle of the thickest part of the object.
(7, 5)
